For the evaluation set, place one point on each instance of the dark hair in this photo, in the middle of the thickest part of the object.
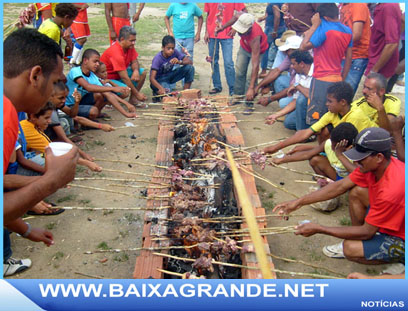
(47, 107)
(66, 9)
(341, 90)
(89, 53)
(60, 86)
(126, 31)
(26, 48)
(342, 131)
(380, 80)
(168, 40)
(302, 56)
(328, 10)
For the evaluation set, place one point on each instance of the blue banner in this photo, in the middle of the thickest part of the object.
(205, 295)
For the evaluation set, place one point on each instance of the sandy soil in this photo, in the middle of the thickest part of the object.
(78, 231)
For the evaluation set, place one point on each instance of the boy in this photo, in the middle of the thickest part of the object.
(80, 30)
(37, 140)
(162, 73)
(339, 97)
(65, 15)
(87, 83)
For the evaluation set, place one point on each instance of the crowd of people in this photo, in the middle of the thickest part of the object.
(310, 58)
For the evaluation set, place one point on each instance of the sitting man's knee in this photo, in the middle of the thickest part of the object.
(314, 160)
(353, 248)
(93, 113)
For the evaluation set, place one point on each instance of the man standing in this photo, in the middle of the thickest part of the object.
(32, 65)
(122, 64)
(357, 17)
(217, 15)
(377, 204)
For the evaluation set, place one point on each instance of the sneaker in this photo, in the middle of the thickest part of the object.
(13, 266)
(215, 91)
(334, 251)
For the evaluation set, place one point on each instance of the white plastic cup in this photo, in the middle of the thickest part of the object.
(59, 148)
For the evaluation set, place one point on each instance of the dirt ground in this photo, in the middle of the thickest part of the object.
(78, 231)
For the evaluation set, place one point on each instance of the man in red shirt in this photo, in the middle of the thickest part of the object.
(122, 64)
(32, 65)
(253, 45)
(377, 204)
(385, 35)
(219, 14)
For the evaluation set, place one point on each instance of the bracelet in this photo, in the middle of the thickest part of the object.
(28, 231)
(99, 125)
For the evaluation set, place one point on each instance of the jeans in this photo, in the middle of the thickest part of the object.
(187, 43)
(214, 50)
(357, 68)
(39, 159)
(296, 120)
(184, 72)
(243, 71)
(281, 83)
(269, 56)
(7, 252)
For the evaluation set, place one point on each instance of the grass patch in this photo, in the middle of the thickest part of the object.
(268, 204)
(98, 142)
(345, 221)
(121, 257)
(69, 197)
(257, 128)
(104, 246)
(105, 213)
(84, 201)
(58, 255)
(50, 225)
(131, 218)
(80, 169)
(260, 189)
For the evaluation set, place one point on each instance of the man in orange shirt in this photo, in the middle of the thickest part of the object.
(357, 17)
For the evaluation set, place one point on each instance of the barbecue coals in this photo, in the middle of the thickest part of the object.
(201, 192)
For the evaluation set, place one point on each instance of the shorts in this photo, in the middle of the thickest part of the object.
(80, 30)
(129, 72)
(86, 104)
(316, 107)
(118, 23)
(384, 247)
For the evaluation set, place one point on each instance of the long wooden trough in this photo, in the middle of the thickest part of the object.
(147, 264)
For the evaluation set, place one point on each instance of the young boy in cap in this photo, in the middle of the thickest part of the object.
(377, 204)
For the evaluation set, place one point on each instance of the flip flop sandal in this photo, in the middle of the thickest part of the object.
(53, 213)
(103, 115)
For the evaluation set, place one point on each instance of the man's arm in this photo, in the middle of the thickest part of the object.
(93, 88)
(383, 119)
(206, 35)
(136, 17)
(154, 82)
(357, 31)
(397, 124)
(14, 181)
(306, 44)
(233, 19)
(199, 26)
(167, 22)
(270, 77)
(298, 137)
(255, 48)
(385, 56)
(301, 155)
(58, 172)
(35, 234)
(276, 21)
(108, 11)
(364, 232)
(328, 192)
(125, 78)
(347, 63)
(27, 164)
(304, 90)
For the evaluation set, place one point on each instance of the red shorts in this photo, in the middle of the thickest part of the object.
(80, 30)
(118, 23)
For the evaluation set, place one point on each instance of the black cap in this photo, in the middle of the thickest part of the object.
(368, 141)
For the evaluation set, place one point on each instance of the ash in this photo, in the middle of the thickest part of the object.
(202, 189)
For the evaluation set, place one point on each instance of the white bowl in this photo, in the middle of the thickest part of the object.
(59, 148)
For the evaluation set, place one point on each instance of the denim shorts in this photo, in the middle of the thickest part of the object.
(384, 247)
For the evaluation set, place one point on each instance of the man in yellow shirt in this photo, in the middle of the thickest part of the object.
(379, 107)
(65, 15)
(339, 97)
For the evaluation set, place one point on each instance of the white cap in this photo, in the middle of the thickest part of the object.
(244, 22)
(291, 43)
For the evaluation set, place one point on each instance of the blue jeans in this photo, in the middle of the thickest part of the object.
(281, 83)
(243, 71)
(214, 51)
(269, 56)
(295, 120)
(358, 66)
(187, 43)
(184, 72)
(7, 252)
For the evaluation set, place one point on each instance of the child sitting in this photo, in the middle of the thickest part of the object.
(92, 91)
(162, 73)
(37, 140)
(67, 115)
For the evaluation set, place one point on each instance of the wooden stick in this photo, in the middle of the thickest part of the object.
(306, 181)
(133, 162)
(122, 179)
(109, 208)
(133, 186)
(88, 275)
(248, 212)
(99, 189)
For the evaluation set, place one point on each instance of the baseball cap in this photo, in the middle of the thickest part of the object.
(291, 43)
(368, 141)
(281, 41)
(244, 22)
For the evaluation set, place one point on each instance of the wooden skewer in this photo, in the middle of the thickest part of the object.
(306, 181)
(121, 179)
(88, 275)
(133, 186)
(109, 208)
(99, 189)
(131, 162)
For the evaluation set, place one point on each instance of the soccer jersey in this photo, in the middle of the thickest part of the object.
(355, 116)
(386, 197)
(334, 160)
(183, 18)
(330, 42)
(51, 30)
(72, 83)
(36, 139)
(392, 105)
(10, 131)
(117, 59)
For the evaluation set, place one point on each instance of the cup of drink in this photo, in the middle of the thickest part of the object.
(59, 148)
